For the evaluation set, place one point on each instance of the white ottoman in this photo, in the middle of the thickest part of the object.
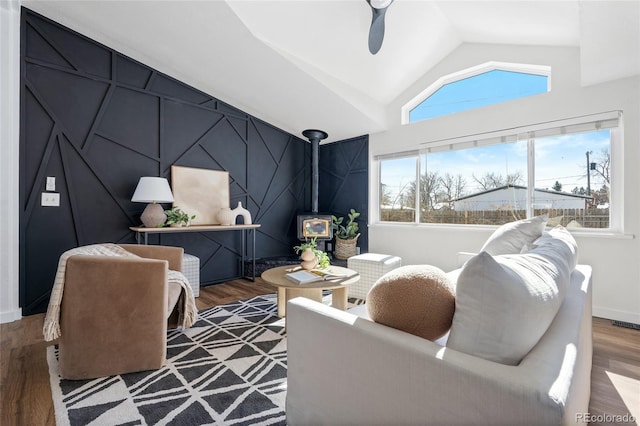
(191, 270)
(370, 266)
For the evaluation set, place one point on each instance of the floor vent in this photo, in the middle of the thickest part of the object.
(626, 324)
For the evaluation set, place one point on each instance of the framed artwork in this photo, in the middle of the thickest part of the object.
(200, 192)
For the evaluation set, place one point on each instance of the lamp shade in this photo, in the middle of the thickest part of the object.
(152, 190)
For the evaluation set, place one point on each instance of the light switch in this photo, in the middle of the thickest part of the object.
(50, 199)
(51, 183)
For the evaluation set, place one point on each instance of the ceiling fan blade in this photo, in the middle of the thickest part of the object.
(376, 32)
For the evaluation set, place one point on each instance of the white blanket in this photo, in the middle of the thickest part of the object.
(51, 329)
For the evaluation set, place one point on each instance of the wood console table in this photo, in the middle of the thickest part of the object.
(142, 237)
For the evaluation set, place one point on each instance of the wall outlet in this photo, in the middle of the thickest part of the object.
(51, 183)
(50, 199)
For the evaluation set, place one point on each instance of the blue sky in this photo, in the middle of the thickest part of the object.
(487, 88)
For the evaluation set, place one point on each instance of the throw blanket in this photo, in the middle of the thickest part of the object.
(186, 305)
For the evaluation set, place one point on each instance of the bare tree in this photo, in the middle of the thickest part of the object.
(385, 194)
(600, 171)
(515, 178)
(404, 195)
(601, 196)
(603, 163)
(387, 197)
(488, 181)
(429, 187)
(453, 186)
(492, 180)
(579, 191)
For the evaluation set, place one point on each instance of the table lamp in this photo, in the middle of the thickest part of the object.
(153, 190)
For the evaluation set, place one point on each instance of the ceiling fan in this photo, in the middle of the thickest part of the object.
(376, 32)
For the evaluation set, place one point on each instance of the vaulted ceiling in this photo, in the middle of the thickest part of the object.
(301, 64)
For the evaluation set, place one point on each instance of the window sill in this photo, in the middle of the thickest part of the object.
(604, 234)
(466, 228)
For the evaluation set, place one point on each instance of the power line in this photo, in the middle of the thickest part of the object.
(561, 177)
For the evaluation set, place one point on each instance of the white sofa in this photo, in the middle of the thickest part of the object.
(344, 369)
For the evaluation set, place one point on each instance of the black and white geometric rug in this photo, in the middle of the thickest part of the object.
(230, 368)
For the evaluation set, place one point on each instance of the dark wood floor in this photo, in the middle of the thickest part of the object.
(25, 394)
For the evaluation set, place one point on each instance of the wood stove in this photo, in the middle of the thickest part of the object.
(316, 226)
(312, 224)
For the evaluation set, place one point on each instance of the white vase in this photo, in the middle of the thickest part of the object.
(241, 211)
(226, 216)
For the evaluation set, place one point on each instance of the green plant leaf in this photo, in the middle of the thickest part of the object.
(350, 229)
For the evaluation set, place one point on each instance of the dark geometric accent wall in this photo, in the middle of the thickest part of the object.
(97, 121)
(344, 182)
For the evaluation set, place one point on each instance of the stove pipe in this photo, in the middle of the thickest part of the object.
(314, 136)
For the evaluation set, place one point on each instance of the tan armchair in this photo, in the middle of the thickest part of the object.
(115, 311)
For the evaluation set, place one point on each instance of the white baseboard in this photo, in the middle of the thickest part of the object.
(10, 316)
(614, 314)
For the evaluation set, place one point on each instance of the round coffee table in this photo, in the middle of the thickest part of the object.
(287, 289)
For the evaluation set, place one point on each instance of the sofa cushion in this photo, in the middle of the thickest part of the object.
(512, 237)
(504, 304)
(558, 245)
(417, 299)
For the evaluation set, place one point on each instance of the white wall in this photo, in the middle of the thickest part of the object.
(615, 257)
(9, 159)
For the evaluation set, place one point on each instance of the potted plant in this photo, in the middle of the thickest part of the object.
(176, 217)
(346, 235)
(311, 256)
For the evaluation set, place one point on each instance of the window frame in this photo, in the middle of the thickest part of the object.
(542, 70)
(616, 212)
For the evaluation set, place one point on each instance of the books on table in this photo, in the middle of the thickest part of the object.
(306, 277)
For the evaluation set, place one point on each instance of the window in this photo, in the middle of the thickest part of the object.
(396, 202)
(486, 84)
(561, 168)
(572, 177)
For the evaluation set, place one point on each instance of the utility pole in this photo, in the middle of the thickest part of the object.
(588, 174)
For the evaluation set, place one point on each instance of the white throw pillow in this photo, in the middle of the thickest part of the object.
(560, 248)
(512, 237)
(504, 304)
(557, 243)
